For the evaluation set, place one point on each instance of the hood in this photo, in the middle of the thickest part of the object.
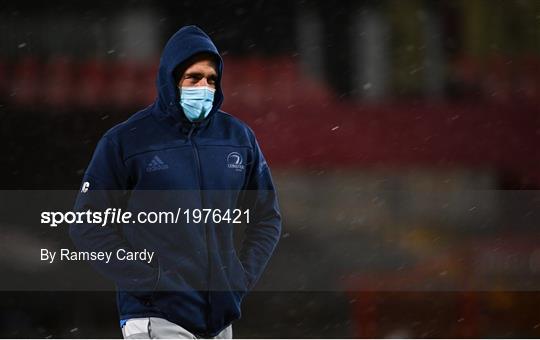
(184, 44)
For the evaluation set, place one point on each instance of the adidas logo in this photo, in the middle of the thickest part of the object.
(156, 164)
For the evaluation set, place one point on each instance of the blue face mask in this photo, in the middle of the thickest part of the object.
(196, 101)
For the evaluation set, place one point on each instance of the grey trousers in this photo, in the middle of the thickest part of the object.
(158, 328)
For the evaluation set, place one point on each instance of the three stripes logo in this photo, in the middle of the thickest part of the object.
(156, 164)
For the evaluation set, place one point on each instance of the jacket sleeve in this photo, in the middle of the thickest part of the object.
(104, 186)
(263, 232)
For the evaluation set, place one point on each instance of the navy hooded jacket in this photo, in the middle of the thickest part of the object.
(157, 160)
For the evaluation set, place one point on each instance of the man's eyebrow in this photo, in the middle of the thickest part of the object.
(199, 74)
(194, 73)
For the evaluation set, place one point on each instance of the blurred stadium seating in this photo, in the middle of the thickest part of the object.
(411, 212)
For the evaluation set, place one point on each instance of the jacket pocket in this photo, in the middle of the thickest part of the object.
(243, 271)
(145, 295)
(237, 276)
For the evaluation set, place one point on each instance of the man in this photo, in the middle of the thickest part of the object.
(181, 152)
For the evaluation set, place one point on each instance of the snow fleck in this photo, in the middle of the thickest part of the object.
(286, 235)
(110, 51)
(105, 117)
(367, 86)
(415, 70)
(21, 45)
(335, 128)
(73, 330)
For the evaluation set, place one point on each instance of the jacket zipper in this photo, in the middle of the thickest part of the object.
(198, 164)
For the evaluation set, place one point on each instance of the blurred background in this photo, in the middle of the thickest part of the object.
(403, 137)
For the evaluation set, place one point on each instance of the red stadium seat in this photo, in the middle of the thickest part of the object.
(146, 84)
(123, 85)
(57, 85)
(92, 84)
(26, 84)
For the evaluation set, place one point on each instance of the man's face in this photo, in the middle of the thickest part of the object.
(201, 73)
